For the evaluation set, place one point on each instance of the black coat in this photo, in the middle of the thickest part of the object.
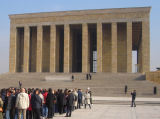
(70, 99)
(79, 95)
(61, 99)
(8, 103)
(51, 98)
(13, 101)
(36, 101)
(133, 95)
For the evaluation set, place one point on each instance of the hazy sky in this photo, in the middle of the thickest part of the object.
(28, 6)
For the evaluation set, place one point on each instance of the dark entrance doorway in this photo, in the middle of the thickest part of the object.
(76, 39)
(33, 49)
(20, 49)
(92, 34)
(59, 48)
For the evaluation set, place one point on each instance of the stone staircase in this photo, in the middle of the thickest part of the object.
(102, 84)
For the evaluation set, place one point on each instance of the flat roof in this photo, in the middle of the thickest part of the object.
(82, 12)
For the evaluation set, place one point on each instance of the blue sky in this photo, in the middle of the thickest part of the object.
(29, 6)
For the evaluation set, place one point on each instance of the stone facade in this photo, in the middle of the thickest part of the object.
(153, 76)
(68, 41)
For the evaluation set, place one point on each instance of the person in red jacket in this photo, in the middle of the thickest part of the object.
(29, 110)
(45, 108)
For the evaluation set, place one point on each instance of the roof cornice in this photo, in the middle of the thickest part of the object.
(81, 12)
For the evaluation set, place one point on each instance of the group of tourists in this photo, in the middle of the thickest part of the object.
(41, 103)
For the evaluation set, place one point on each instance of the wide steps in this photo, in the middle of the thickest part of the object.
(102, 84)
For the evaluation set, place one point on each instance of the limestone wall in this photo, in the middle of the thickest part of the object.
(107, 48)
(153, 76)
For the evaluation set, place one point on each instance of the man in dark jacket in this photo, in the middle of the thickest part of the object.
(87, 76)
(70, 99)
(133, 93)
(79, 98)
(36, 103)
(13, 103)
(8, 104)
(90, 76)
(61, 101)
(72, 77)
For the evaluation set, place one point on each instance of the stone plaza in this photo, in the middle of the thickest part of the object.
(116, 112)
(82, 41)
(147, 108)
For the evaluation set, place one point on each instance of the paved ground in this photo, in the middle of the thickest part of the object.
(125, 99)
(115, 112)
(147, 108)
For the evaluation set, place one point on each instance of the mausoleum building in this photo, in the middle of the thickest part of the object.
(100, 40)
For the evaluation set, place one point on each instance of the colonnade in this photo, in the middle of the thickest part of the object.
(102, 61)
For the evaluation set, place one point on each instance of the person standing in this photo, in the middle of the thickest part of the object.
(90, 76)
(36, 103)
(42, 98)
(125, 89)
(50, 102)
(1, 108)
(54, 101)
(70, 99)
(29, 110)
(20, 84)
(72, 78)
(45, 108)
(133, 94)
(87, 76)
(13, 103)
(61, 101)
(8, 105)
(90, 92)
(79, 98)
(22, 103)
(87, 99)
(75, 103)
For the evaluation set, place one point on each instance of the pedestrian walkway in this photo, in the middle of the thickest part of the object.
(125, 99)
(115, 112)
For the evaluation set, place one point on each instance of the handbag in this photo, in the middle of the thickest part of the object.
(1, 109)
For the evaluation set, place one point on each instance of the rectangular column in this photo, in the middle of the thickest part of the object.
(53, 48)
(13, 49)
(85, 49)
(129, 47)
(39, 48)
(145, 46)
(67, 49)
(114, 48)
(99, 47)
(26, 48)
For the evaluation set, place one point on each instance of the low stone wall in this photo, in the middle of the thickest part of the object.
(153, 76)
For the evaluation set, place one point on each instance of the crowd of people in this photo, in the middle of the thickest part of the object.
(41, 103)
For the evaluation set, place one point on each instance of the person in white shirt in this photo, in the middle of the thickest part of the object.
(22, 103)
